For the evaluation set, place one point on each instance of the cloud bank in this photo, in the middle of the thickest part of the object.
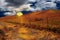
(27, 5)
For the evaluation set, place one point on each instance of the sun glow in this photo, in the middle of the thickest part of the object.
(19, 14)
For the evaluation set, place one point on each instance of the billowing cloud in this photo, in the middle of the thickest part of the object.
(43, 4)
(20, 5)
(46, 5)
(16, 2)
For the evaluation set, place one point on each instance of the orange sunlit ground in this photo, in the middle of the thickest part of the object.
(43, 25)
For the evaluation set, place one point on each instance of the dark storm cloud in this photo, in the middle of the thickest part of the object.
(15, 2)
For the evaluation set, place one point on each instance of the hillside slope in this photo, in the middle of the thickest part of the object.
(45, 18)
(40, 25)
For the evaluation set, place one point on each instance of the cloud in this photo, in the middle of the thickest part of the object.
(20, 5)
(42, 4)
(3, 3)
(31, 0)
(16, 2)
(9, 13)
(57, 0)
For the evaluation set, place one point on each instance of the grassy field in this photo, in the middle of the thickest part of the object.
(35, 26)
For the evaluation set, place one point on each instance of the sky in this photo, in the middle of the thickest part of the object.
(27, 6)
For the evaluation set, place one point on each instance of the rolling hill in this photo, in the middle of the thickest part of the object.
(39, 25)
